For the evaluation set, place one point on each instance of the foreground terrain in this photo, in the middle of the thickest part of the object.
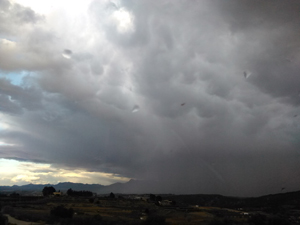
(149, 209)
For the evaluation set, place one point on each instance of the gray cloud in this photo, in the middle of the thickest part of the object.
(8, 106)
(269, 31)
(201, 126)
(29, 98)
(14, 16)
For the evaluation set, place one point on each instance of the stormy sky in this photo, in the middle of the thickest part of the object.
(198, 96)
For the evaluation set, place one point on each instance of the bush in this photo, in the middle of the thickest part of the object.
(70, 192)
(158, 198)
(152, 197)
(3, 219)
(61, 212)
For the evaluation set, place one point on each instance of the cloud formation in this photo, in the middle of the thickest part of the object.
(201, 126)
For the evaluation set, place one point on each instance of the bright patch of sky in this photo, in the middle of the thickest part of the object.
(47, 7)
(15, 77)
(5, 144)
(3, 126)
(124, 20)
(16, 172)
(8, 38)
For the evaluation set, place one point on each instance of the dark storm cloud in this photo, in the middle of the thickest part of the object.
(29, 98)
(8, 106)
(271, 30)
(201, 125)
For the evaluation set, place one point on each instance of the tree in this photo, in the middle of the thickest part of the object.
(152, 197)
(70, 192)
(48, 191)
(158, 198)
(112, 195)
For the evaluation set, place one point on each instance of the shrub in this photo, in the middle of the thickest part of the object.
(152, 197)
(3, 219)
(62, 212)
(158, 198)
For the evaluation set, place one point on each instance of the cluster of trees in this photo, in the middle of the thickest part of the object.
(70, 192)
(48, 191)
(14, 194)
(155, 198)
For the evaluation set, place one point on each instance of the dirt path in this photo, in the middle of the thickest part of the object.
(14, 221)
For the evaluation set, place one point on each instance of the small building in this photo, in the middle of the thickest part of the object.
(57, 193)
(165, 202)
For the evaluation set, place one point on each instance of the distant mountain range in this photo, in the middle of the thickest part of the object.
(154, 187)
(132, 186)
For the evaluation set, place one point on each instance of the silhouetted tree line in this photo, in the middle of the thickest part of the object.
(155, 198)
(70, 192)
(14, 194)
